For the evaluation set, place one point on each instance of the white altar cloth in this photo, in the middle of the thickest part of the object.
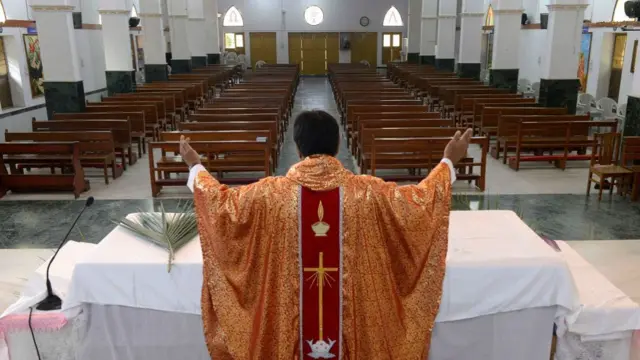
(495, 264)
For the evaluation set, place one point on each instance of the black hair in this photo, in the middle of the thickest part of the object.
(316, 132)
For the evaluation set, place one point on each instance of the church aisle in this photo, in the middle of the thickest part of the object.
(314, 93)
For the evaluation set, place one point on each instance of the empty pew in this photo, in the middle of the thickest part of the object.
(17, 181)
(97, 149)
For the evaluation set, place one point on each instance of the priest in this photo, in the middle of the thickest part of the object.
(322, 263)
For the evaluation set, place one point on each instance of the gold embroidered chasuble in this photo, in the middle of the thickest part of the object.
(322, 264)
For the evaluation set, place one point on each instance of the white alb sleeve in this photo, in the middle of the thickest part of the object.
(451, 169)
(192, 175)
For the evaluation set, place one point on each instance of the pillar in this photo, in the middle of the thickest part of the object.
(446, 43)
(507, 15)
(212, 41)
(180, 51)
(559, 84)
(428, 32)
(415, 17)
(119, 72)
(63, 87)
(154, 46)
(196, 33)
(469, 58)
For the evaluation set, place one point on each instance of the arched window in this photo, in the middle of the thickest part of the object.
(313, 15)
(232, 18)
(134, 12)
(392, 18)
(618, 12)
(3, 16)
(488, 20)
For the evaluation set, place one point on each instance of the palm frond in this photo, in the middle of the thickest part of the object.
(168, 231)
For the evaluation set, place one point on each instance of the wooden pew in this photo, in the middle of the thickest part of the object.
(97, 149)
(507, 133)
(352, 136)
(152, 122)
(491, 113)
(173, 107)
(121, 130)
(218, 157)
(18, 181)
(463, 105)
(544, 135)
(368, 134)
(424, 153)
(138, 128)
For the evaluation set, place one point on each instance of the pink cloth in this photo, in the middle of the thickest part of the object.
(20, 322)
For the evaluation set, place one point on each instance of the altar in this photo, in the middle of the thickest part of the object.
(503, 291)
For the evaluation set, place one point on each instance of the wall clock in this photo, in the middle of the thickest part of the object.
(364, 21)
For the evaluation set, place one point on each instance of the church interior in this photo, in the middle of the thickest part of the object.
(94, 95)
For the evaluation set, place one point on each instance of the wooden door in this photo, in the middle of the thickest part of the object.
(364, 46)
(314, 55)
(263, 47)
(333, 48)
(391, 47)
(617, 61)
(295, 48)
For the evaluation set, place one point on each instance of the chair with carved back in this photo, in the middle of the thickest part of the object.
(631, 161)
(604, 163)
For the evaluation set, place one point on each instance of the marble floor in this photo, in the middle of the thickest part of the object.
(551, 201)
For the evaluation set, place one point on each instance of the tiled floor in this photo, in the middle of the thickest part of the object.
(551, 201)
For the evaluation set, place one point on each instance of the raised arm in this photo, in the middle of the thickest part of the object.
(455, 150)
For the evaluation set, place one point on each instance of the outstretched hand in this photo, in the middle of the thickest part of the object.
(457, 148)
(189, 156)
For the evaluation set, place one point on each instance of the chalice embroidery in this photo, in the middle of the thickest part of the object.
(320, 228)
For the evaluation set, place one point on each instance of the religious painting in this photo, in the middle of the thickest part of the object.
(583, 65)
(34, 64)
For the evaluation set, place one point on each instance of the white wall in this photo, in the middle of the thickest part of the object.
(531, 51)
(288, 16)
(600, 63)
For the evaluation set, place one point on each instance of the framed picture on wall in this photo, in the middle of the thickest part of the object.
(583, 65)
(34, 64)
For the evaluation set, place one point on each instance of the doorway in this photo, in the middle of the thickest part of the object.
(391, 47)
(313, 51)
(364, 47)
(263, 47)
(617, 60)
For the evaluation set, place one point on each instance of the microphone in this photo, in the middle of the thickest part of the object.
(52, 301)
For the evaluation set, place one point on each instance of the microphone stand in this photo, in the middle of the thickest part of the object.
(52, 301)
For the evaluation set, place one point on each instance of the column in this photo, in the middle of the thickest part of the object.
(212, 40)
(428, 32)
(119, 72)
(446, 38)
(154, 46)
(506, 44)
(469, 56)
(63, 87)
(559, 84)
(415, 17)
(197, 33)
(180, 52)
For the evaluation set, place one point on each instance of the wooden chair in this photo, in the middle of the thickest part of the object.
(631, 161)
(604, 162)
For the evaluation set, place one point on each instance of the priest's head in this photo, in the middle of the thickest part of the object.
(316, 133)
